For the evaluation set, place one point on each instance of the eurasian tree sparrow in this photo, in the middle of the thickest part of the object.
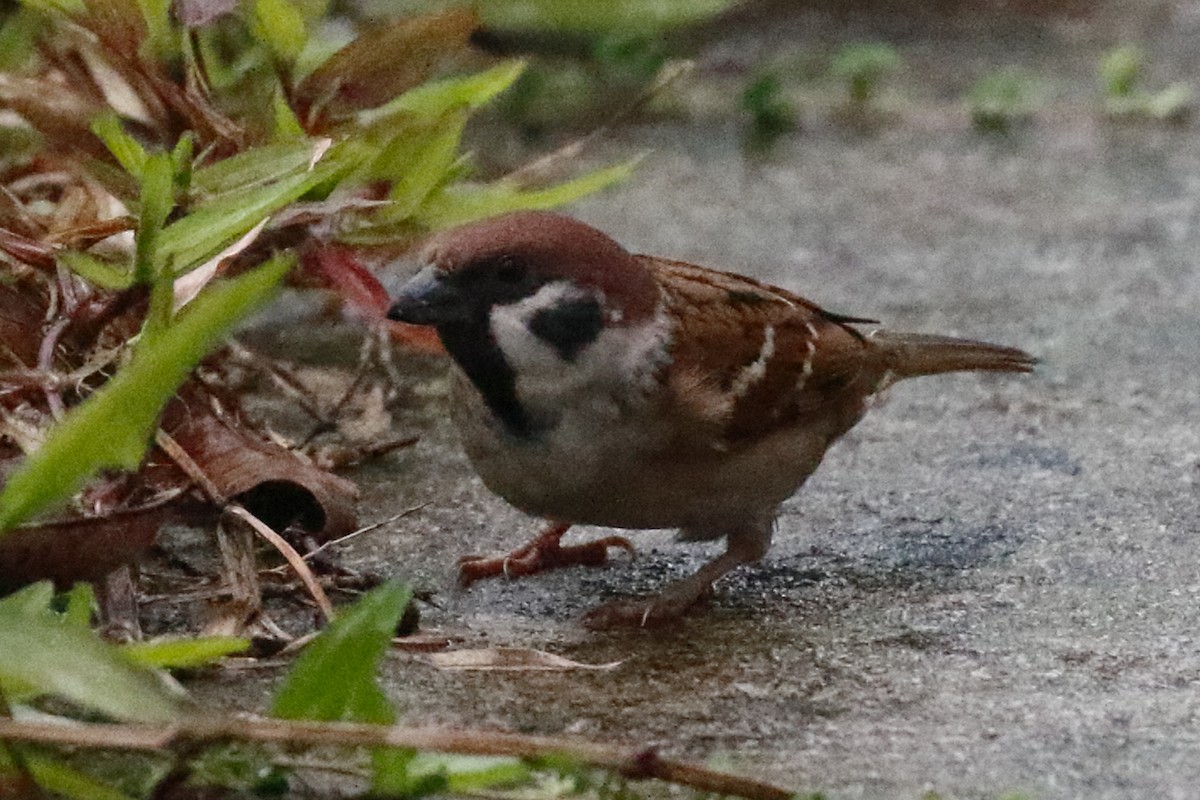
(598, 387)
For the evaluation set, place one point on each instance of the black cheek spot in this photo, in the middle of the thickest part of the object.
(569, 327)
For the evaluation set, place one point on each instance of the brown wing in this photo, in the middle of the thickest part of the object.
(751, 358)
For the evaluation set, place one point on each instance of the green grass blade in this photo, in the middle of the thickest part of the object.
(127, 150)
(431, 100)
(215, 223)
(32, 599)
(64, 781)
(184, 653)
(334, 678)
(260, 165)
(418, 162)
(456, 204)
(97, 271)
(588, 16)
(280, 25)
(41, 656)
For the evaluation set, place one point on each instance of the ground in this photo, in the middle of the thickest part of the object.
(991, 584)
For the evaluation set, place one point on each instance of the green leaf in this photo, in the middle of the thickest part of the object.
(407, 773)
(127, 150)
(863, 65)
(156, 201)
(181, 161)
(217, 222)
(418, 163)
(464, 774)
(1121, 70)
(39, 655)
(159, 33)
(79, 604)
(390, 774)
(18, 33)
(433, 99)
(96, 270)
(54, 776)
(29, 601)
(254, 167)
(70, 8)
(111, 428)
(287, 125)
(280, 25)
(588, 16)
(455, 204)
(38, 600)
(334, 678)
(184, 653)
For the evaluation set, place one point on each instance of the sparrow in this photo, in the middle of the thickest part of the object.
(599, 387)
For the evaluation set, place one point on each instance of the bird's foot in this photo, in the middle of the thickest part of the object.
(543, 552)
(650, 612)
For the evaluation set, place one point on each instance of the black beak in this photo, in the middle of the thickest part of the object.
(428, 300)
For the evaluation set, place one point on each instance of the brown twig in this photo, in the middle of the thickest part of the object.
(365, 529)
(293, 558)
(45, 363)
(637, 763)
(185, 462)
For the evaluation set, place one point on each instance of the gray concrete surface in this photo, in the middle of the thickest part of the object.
(991, 585)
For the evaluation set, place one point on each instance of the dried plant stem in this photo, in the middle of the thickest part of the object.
(194, 471)
(365, 529)
(289, 553)
(638, 763)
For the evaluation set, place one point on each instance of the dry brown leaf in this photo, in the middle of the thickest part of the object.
(22, 309)
(277, 485)
(118, 23)
(55, 109)
(382, 63)
(510, 659)
(77, 550)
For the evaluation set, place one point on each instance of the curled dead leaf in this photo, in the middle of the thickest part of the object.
(276, 484)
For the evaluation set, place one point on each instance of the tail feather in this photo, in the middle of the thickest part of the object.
(908, 355)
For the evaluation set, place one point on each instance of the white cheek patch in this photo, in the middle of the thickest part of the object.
(526, 352)
(619, 359)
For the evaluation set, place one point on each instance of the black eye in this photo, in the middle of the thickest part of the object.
(510, 272)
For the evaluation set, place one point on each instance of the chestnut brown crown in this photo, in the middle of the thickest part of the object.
(541, 246)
